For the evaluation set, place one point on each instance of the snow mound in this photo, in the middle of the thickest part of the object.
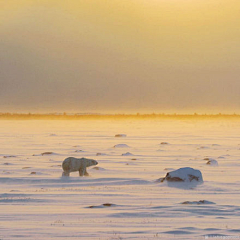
(164, 143)
(202, 147)
(101, 154)
(127, 154)
(79, 150)
(212, 162)
(121, 146)
(99, 168)
(9, 156)
(45, 153)
(103, 205)
(120, 135)
(37, 173)
(186, 174)
(198, 202)
(208, 159)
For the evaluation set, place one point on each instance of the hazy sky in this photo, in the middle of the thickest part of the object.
(120, 56)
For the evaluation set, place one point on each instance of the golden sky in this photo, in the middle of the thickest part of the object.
(120, 55)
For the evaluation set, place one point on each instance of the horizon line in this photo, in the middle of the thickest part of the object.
(65, 115)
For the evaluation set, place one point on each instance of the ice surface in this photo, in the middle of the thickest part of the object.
(45, 205)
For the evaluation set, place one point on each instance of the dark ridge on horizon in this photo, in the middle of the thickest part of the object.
(79, 116)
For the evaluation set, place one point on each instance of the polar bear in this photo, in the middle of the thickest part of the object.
(72, 164)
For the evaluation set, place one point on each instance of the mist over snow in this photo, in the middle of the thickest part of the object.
(119, 56)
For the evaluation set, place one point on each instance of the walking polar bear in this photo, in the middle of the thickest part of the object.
(72, 164)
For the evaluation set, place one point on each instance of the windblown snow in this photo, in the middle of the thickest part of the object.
(121, 198)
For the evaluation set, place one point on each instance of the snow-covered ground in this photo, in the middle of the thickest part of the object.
(121, 198)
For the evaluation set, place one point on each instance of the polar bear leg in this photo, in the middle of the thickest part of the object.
(65, 173)
(86, 173)
(82, 171)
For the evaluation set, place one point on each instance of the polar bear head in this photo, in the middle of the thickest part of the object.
(91, 162)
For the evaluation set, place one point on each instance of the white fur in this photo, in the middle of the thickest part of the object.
(72, 164)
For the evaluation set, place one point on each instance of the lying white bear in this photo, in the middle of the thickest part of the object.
(72, 164)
